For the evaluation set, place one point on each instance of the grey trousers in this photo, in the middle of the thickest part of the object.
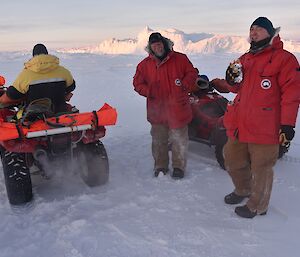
(250, 168)
(162, 137)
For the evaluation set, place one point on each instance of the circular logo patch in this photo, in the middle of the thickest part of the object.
(265, 84)
(177, 82)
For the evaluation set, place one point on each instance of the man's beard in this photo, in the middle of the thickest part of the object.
(161, 56)
(257, 46)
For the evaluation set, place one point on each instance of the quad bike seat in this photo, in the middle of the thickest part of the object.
(37, 109)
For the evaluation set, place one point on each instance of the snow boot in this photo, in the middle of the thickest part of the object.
(245, 212)
(160, 170)
(233, 198)
(178, 173)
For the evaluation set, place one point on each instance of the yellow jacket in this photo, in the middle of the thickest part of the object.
(42, 68)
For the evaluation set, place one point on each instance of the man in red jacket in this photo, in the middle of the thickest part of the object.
(262, 116)
(165, 78)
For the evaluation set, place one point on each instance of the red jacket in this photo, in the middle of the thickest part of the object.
(166, 86)
(268, 96)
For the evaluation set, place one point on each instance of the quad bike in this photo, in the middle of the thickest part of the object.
(208, 108)
(42, 140)
(207, 127)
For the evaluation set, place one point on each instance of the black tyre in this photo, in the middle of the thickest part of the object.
(17, 178)
(93, 164)
(219, 139)
(219, 155)
(282, 151)
(192, 129)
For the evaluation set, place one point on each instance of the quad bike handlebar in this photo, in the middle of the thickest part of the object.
(204, 84)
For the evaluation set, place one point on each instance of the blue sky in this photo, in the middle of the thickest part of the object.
(60, 23)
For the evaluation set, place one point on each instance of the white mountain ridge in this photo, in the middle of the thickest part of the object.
(194, 43)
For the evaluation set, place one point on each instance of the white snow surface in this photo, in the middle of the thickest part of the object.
(193, 43)
(136, 214)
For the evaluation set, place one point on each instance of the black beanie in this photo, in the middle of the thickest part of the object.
(39, 49)
(155, 37)
(264, 23)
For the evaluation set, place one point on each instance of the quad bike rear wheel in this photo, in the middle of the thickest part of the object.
(93, 164)
(219, 155)
(219, 139)
(17, 177)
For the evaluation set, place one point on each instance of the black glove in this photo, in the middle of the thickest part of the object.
(286, 135)
(233, 73)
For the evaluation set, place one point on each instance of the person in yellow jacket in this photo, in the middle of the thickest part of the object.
(42, 77)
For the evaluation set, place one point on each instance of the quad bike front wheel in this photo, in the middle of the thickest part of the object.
(17, 177)
(282, 151)
(93, 164)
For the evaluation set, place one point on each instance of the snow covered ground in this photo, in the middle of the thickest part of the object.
(135, 214)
